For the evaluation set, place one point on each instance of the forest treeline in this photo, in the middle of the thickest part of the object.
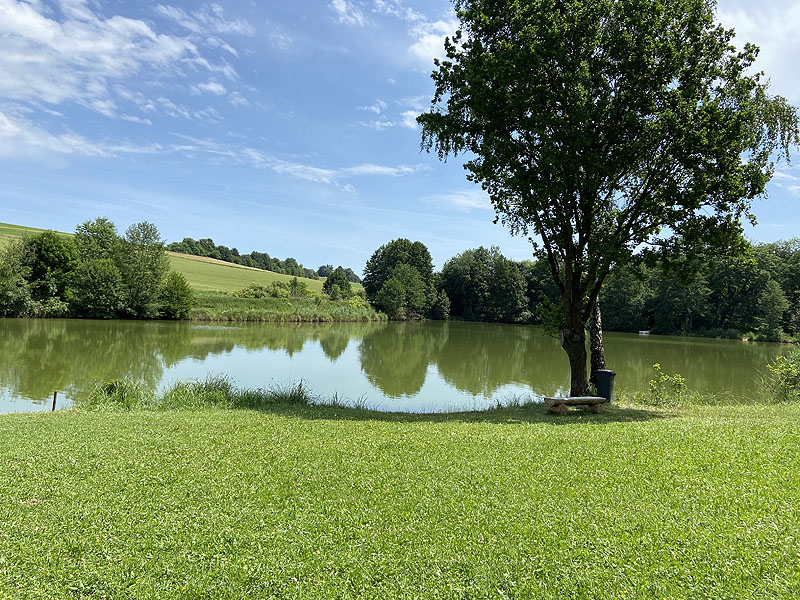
(94, 273)
(754, 295)
(259, 260)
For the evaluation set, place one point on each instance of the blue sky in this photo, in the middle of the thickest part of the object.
(285, 127)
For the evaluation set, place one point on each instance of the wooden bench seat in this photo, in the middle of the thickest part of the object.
(559, 405)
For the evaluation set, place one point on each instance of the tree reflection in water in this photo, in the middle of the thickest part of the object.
(39, 356)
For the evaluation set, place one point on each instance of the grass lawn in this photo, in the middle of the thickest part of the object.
(323, 502)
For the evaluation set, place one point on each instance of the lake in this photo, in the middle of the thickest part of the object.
(427, 366)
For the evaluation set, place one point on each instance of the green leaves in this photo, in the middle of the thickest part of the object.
(601, 126)
(405, 270)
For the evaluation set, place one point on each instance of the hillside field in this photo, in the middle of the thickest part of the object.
(203, 274)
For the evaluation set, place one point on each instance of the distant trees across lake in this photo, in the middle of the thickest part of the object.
(755, 295)
(328, 270)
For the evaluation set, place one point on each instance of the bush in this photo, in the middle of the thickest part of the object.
(672, 391)
(177, 297)
(358, 301)
(337, 285)
(783, 381)
(276, 289)
(664, 390)
(96, 289)
(255, 290)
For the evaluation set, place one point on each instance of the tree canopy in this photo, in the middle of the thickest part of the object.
(599, 127)
(398, 279)
(337, 285)
(95, 273)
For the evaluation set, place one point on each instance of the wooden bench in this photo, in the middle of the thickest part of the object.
(559, 405)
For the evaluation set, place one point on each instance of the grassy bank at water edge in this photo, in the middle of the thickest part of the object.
(310, 501)
(216, 306)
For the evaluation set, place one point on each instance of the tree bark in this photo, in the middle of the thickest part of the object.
(573, 340)
(598, 352)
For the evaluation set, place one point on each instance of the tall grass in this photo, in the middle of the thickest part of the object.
(215, 391)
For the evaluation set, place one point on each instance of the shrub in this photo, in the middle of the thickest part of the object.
(783, 381)
(276, 289)
(337, 285)
(97, 289)
(664, 390)
(358, 301)
(177, 297)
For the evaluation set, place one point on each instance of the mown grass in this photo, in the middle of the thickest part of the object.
(9, 232)
(215, 306)
(312, 501)
(227, 277)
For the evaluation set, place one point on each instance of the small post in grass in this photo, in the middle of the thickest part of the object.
(55, 395)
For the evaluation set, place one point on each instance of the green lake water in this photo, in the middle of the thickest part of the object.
(429, 366)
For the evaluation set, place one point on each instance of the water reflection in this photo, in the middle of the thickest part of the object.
(398, 365)
(480, 358)
(395, 356)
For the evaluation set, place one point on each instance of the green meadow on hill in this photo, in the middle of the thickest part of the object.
(203, 274)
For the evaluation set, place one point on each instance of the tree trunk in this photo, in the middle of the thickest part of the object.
(573, 340)
(598, 352)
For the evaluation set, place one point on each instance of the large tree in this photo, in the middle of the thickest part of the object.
(599, 127)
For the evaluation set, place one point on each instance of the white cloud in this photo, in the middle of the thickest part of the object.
(20, 137)
(280, 40)
(429, 42)
(418, 103)
(208, 19)
(407, 120)
(263, 160)
(774, 28)
(211, 87)
(347, 13)
(172, 109)
(780, 175)
(398, 9)
(410, 119)
(378, 125)
(377, 108)
(82, 58)
(216, 42)
(465, 199)
(371, 169)
(135, 119)
(209, 115)
(236, 99)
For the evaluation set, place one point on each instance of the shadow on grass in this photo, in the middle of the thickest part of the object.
(529, 414)
(298, 401)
